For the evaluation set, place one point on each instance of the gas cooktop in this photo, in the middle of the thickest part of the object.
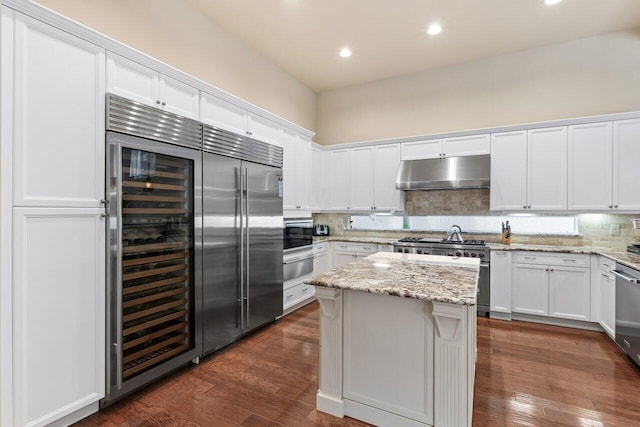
(428, 241)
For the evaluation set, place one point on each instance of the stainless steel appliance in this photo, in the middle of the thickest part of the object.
(297, 232)
(320, 230)
(154, 241)
(243, 247)
(445, 173)
(466, 248)
(627, 312)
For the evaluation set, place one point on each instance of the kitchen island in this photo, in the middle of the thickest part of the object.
(398, 340)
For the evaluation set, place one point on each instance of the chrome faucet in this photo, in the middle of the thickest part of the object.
(454, 234)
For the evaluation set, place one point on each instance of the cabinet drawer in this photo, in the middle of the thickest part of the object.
(606, 264)
(296, 294)
(544, 258)
(320, 248)
(361, 248)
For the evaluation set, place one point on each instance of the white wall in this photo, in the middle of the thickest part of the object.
(596, 75)
(206, 51)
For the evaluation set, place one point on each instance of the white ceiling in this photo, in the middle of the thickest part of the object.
(388, 37)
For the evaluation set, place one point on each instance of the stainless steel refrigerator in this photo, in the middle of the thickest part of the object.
(242, 236)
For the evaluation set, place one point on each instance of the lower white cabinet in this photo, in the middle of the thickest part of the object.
(607, 292)
(500, 282)
(569, 292)
(59, 312)
(322, 258)
(344, 253)
(296, 296)
(530, 289)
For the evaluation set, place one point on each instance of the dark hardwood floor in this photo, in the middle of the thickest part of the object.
(527, 374)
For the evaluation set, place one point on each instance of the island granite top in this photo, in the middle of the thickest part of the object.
(423, 277)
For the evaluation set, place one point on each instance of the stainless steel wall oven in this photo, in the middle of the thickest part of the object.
(297, 232)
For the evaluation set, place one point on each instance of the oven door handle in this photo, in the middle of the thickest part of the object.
(625, 277)
(299, 259)
(484, 265)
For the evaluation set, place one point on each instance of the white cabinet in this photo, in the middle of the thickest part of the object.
(58, 133)
(569, 293)
(548, 284)
(607, 293)
(547, 168)
(345, 253)
(322, 258)
(131, 80)
(318, 179)
(530, 289)
(626, 174)
(225, 115)
(59, 306)
(438, 148)
(339, 183)
(295, 171)
(508, 171)
(590, 150)
(361, 178)
(529, 170)
(500, 281)
(386, 166)
(370, 184)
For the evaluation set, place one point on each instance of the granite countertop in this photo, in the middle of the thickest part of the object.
(423, 277)
(370, 240)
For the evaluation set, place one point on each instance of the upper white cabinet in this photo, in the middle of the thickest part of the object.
(139, 83)
(225, 115)
(318, 179)
(371, 178)
(295, 171)
(547, 168)
(361, 173)
(438, 148)
(508, 171)
(339, 183)
(386, 166)
(529, 170)
(590, 151)
(626, 174)
(58, 110)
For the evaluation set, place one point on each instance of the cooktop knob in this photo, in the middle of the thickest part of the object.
(406, 251)
(473, 254)
(466, 254)
(418, 251)
(481, 254)
(458, 253)
(399, 250)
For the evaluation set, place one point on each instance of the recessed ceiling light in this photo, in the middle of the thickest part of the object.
(345, 52)
(551, 2)
(434, 29)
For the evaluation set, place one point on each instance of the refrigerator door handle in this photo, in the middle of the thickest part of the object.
(117, 153)
(242, 245)
(246, 245)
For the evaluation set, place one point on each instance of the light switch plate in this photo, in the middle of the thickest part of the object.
(614, 229)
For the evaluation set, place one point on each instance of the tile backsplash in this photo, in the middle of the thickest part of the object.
(447, 202)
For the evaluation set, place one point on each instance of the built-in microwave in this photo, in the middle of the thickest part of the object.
(297, 232)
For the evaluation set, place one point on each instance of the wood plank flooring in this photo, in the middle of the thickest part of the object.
(527, 374)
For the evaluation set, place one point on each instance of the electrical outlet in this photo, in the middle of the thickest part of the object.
(614, 229)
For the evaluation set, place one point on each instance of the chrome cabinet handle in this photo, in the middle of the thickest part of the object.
(615, 206)
(570, 260)
(610, 206)
(530, 257)
(164, 103)
(157, 101)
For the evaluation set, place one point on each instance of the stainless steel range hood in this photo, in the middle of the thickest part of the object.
(451, 173)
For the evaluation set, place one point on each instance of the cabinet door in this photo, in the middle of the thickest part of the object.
(132, 80)
(570, 293)
(547, 169)
(500, 281)
(339, 179)
(386, 166)
(361, 178)
(321, 263)
(590, 150)
(608, 303)
(466, 145)
(59, 306)
(530, 289)
(316, 176)
(58, 116)
(626, 173)
(431, 149)
(302, 172)
(222, 114)
(263, 129)
(179, 98)
(508, 171)
(342, 258)
(289, 184)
